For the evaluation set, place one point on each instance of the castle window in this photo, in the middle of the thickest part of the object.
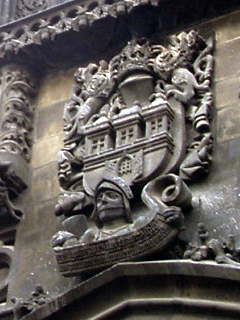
(169, 125)
(125, 167)
(126, 136)
(98, 145)
(156, 125)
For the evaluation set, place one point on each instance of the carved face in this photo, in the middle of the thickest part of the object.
(109, 205)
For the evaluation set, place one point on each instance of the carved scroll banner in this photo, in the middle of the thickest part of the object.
(126, 140)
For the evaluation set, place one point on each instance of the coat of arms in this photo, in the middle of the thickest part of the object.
(137, 127)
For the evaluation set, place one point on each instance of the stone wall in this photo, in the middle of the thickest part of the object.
(218, 196)
(34, 260)
(220, 192)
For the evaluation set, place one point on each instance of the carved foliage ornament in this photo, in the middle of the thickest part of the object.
(49, 26)
(208, 248)
(125, 132)
(18, 88)
(25, 7)
(23, 307)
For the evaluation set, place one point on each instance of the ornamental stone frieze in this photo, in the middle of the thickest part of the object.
(51, 24)
(18, 88)
(137, 131)
(16, 9)
(26, 7)
(41, 33)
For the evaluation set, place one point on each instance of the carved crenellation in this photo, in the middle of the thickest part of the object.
(125, 134)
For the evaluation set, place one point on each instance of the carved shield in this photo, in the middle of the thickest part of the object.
(143, 140)
(126, 120)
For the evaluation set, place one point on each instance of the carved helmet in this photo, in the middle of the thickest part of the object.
(116, 184)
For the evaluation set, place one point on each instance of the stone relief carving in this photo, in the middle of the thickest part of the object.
(18, 88)
(48, 26)
(25, 7)
(6, 257)
(125, 135)
(213, 249)
(23, 307)
(9, 213)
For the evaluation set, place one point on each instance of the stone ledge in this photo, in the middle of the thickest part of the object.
(145, 284)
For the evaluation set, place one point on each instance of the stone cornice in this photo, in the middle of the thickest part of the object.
(47, 25)
(165, 275)
(35, 35)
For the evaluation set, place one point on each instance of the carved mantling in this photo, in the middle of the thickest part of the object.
(125, 130)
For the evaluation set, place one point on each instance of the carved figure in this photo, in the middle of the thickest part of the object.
(112, 214)
(25, 306)
(116, 232)
(213, 249)
(126, 120)
(95, 85)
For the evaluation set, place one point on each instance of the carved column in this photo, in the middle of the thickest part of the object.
(18, 88)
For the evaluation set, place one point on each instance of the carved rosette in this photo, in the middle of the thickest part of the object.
(126, 120)
(26, 7)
